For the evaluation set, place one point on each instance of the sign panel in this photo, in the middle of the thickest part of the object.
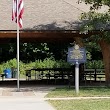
(76, 54)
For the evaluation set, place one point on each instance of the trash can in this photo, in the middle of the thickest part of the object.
(14, 72)
(7, 73)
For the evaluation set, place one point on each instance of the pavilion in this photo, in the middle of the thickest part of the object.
(43, 21)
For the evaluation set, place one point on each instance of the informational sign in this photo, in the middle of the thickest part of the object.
(76, 54)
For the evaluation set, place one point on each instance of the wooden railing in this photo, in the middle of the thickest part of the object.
(50, 72)
(66, 73)
(94, 73)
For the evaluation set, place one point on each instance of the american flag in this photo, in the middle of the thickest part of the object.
(20, 7)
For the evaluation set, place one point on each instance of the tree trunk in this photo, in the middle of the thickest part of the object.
(105, 47)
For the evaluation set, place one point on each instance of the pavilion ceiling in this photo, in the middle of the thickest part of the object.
(39, 36)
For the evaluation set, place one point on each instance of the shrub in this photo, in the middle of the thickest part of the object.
(94, 64)
(46, 63)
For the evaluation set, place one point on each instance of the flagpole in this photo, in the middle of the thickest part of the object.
(18, 88)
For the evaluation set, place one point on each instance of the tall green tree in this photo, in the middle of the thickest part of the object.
(99, 23)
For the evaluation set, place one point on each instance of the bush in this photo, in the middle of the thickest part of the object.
(61, 64)
(46, 63)
(94, 64)
(51, 63)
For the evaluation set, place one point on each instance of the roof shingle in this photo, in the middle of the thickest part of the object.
(44, 14)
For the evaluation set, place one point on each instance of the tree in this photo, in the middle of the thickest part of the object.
(94, 21)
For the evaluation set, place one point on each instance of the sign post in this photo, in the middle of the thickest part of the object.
(77, 77)
(76, 56)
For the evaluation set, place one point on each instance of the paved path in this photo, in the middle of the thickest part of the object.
(24, 104)
(30, 91)
(29, 98)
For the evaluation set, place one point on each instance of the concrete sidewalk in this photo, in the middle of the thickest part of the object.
(10, 103)
(26, 91)
(29, 98)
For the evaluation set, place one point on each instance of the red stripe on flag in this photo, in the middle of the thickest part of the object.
(20, 7)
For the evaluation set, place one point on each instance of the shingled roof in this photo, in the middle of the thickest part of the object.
(44, 14)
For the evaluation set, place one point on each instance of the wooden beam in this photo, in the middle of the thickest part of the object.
(40, 36)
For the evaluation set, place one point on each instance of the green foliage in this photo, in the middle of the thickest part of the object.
(88, 55)
(51, 63)
(46, 63)
(22, 67)
(96, 21)
(33, 51)
(9, 64)
(94, 64)
(84, 92)
(1, 69)
(81, 104)
(29, 65)
(61, 64)
(96, 4)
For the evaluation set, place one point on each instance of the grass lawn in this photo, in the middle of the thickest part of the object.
(83, 92)
(96, 104)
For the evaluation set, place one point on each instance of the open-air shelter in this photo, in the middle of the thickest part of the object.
(44, 21)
